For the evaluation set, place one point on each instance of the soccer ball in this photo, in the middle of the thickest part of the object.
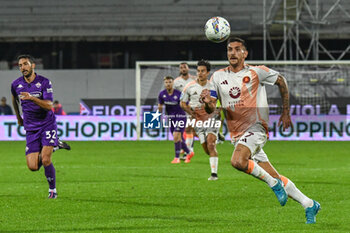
(217, 29)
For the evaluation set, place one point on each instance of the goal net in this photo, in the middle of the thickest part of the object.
(316, 87)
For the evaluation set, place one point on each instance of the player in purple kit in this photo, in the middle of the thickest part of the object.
(170, 97)
(35, 94)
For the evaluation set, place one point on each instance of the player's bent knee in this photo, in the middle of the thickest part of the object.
(33, 167)
(239, 163)
(211, 147)
(46, 161)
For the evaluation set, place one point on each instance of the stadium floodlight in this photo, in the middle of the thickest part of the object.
(309, 81)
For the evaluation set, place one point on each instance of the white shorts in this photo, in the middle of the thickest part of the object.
(254, 138)
(202, 133)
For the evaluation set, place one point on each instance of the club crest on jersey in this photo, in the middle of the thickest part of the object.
(246, 79)
(175, 97)
(235, 92)
(38, 85)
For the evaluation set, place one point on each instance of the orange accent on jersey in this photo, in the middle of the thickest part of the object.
(263, 122)
(261, 67)
(244, 115)
(250, 166)
(284, 180)
(264, 68)
(189, 84)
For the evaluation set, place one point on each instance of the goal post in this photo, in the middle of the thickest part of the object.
(149, 76)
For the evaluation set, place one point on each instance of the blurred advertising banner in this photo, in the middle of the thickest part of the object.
(126, 107)
(114, 107)
(115, 128)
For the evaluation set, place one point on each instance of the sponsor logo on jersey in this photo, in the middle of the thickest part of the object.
(36, 94)
(235, 92)
(49, 90)
(38, 85)
(52, 141)
(20, 86)
(224, 82)
(195, 93)
(27, 148)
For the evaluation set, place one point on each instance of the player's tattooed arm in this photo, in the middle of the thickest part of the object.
(45, 104)
(15, 106)
(285, 117)
(209, 102)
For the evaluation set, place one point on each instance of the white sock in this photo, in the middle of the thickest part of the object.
(189, 143)
(255, 170)
(297, 195)
(214, 164)
(53, 190)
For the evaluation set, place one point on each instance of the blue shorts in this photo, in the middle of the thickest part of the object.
(46, 136)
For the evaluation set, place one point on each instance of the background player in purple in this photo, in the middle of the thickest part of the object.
(35, 94)
(170, 97)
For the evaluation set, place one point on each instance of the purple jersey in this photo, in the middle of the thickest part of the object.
(34, 117)
(172, 103)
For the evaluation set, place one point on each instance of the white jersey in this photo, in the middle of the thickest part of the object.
(180, 83)
(243, 96)
(191, 94)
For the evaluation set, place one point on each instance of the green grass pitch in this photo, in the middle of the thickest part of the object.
(132, 187)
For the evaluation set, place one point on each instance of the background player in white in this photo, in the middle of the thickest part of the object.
(240, 89)
(179, 84)
(191, 103)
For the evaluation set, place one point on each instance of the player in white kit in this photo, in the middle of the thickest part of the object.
(179, 84)
(240, 89)
(192, 104)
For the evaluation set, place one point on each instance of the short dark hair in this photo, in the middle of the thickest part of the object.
(56, 102)
(237, 39)
(205, 63)
(168, 78)
(184, 63)
(26, 56)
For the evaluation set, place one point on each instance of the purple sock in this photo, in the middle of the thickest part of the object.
(177, 149)
(50, 174)
(184, 147)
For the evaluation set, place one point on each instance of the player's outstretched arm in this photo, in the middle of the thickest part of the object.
(285, 119)
(45, 104)
(15, 106)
